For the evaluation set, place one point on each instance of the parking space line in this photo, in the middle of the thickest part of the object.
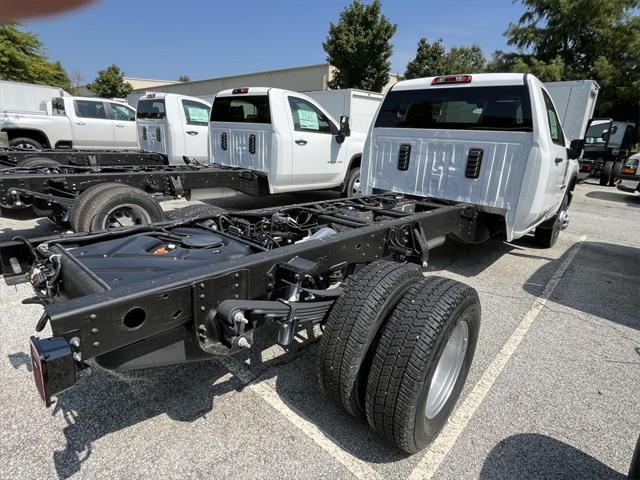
(357, 467)
(439, 449)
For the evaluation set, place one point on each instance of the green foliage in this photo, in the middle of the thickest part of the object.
(432, 59)
(22, 59)
(184, 78)
(582, 39)
(110, 84)
(359, 47)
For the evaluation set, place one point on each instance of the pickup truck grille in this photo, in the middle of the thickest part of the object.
(223, 141)
(474, 162)
(404, 154)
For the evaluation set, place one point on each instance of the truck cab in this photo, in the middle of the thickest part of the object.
(289, 137)
(174, 125)
(492, 140)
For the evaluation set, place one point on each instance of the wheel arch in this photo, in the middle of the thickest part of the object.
(33, 133)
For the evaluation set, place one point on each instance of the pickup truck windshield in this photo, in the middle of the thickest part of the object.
(152, 108)
(245, 109)
(482, 108)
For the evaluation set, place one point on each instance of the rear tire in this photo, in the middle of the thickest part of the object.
(113, 205)
(39, 162)
(25, 143)
(351, 328)
(606, 174)
(546, 235)
(421, 362)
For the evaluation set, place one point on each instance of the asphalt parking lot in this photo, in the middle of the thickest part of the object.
(553, 391)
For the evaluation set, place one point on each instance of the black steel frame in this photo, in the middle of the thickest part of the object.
(11, 157)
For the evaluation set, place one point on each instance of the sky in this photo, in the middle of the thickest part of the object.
(164, 39)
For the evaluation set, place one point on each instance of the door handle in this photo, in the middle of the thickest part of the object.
(301, 142)
(80, 123)
(119, 125)
(192, 132)
(559, 160)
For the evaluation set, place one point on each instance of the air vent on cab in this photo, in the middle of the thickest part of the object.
(474, 162)
(252, 144)
(223, 141)
(404, 155)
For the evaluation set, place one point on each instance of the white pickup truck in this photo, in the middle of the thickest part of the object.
(174, 125)
(490, 140)
(293, 138)
(37, 117)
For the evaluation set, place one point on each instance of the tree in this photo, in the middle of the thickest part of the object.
(23, 59)
(110, 84)
(359, 47)
(184, 78)
(429, 60)
(591, 39)
(433, 59)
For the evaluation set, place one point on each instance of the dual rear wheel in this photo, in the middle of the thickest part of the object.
(397, 348)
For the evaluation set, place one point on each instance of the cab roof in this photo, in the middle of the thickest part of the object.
(477, 80)
(239, 91)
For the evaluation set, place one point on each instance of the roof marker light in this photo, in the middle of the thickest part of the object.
(451, 79)
(240, 90)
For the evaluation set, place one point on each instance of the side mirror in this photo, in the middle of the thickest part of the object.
(575, 148)
(606, 136)
(345, 129)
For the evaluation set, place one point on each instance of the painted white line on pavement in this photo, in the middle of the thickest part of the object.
(439, 449)
(359, 468)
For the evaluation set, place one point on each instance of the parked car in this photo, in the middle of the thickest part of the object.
(298, 142)
(607, 146)
(41, 117)
(174, 125)
(628, 179)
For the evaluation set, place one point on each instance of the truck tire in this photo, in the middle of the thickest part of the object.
(79, 205)
(38, 162)
(352, 186)
(421, 362)
(25, 143)
(616, 171)
(351, 328)
(606, 174)
(114, 205)
(194, 211)
(546, 234)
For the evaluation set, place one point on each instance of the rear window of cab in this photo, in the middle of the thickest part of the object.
(245, 109)
(505, 108)
(151, 109)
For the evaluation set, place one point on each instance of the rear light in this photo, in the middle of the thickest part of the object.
(53, 366)
(240, 90)
(585, 167)
(151, 95)
(451, 79)
(629, 169)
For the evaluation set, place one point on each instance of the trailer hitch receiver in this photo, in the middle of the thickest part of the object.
(54, 368)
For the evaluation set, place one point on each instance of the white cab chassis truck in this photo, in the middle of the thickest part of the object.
(293, 138)
(40, 117)
(490, 140)
(174, 125)
(457, 156)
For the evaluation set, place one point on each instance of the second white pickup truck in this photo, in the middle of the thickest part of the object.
(292, 138)
(36, 117)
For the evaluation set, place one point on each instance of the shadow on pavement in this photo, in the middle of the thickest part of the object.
(615, 195)
(601, 281)
(534, 456)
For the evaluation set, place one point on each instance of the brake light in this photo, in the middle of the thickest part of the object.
(240, 90)
(54, 368)
(451, 79)
(151, 95)
(585, 167)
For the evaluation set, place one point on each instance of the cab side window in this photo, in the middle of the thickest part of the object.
(307, 118)
(554, 122)
(57, 105)
(120, 112)
(196, 113)
(90, 109)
